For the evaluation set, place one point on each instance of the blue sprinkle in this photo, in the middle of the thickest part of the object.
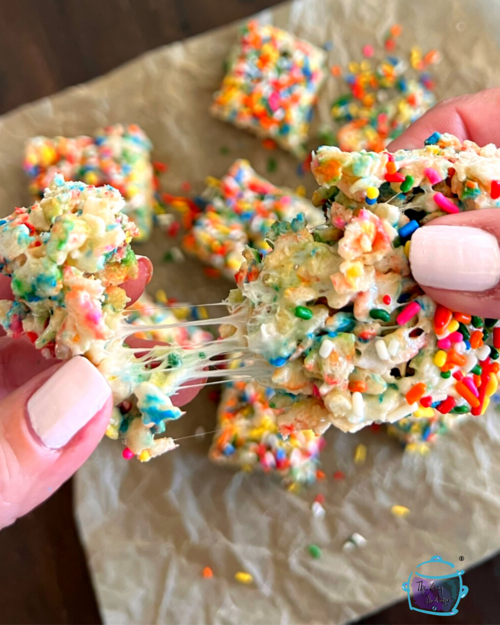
(228, 450)
(328, 45)
(435, 404)
(280, 454)
(370, 201)
(467, 345)
(278, 362)
(408, 229)
(433, 139)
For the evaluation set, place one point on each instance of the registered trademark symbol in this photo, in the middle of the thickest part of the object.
(461, 558)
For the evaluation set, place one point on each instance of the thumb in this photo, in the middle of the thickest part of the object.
(456, 260)
(48, 428)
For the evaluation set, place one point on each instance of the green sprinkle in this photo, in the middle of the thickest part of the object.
(224, 149)
(303, 312)
(494, 353)
(272, 164)
(463, 331)
(476, 370)
(490, 323)
(378, 313)
(486, 335)
(397, 242)
(477, 322)
(445, 374)
(407, 184)
(174, 360)
(202, 355)
(460, 410)
(315, 551)
(272, 405)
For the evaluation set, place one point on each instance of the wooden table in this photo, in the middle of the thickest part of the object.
(47, 45)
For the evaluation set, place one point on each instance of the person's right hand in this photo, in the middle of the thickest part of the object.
(456, 259)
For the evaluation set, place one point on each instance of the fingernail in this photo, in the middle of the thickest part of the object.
(146, 266)
(67, 402)
(457, 258)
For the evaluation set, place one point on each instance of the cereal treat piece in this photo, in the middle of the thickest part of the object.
(238, 211)
(383, 101)
(335, 310)
(417, 435)
(67, 256)
(248, 437)
(117, 155)
(160, 323)
(271, 85)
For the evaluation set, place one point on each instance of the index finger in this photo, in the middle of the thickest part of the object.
(474, 116)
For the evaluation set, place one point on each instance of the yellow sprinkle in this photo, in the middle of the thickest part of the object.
(407, 249)
(161, 296)
(112, 432)
(243, 578)
(203, 312)
(372, 193)
(400, 511)
(452, 326)
(492, 386)
(360, 454)
(211, 181)
(301, 190)
(144, 456)
(486, 403)
(440, 358)
(424, 412)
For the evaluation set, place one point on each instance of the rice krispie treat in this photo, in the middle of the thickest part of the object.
(271, 85)
(238, 210)
(352, 338)
(248, 438)
(116, 155)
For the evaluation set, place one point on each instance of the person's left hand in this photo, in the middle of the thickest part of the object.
(52, 415)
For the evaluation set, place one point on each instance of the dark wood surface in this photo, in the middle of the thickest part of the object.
(45, 46)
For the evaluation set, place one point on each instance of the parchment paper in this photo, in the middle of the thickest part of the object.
(150, 529)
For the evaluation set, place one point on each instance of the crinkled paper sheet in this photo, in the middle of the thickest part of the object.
(150, 529)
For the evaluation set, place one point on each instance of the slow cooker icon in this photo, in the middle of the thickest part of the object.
(435, 594)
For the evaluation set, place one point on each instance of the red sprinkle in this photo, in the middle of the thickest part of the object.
(446, 405)
(496, 337)
(386, 299)
(458, 375)
(425, 402)
(159, 166)
(128, 454)
(339, 475)
(495, 189)
(320, 498)
(397, 177)
(173, 229)
(442, 317)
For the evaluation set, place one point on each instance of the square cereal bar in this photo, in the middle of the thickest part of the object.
(248, 437)
(116, 155)
(271, 85)
(238, 211)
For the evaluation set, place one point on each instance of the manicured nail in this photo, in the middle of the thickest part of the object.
(145, 267)
(67, 402)
(457, 258)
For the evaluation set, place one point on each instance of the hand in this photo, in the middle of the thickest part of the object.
(456, 259)
(52, 415)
